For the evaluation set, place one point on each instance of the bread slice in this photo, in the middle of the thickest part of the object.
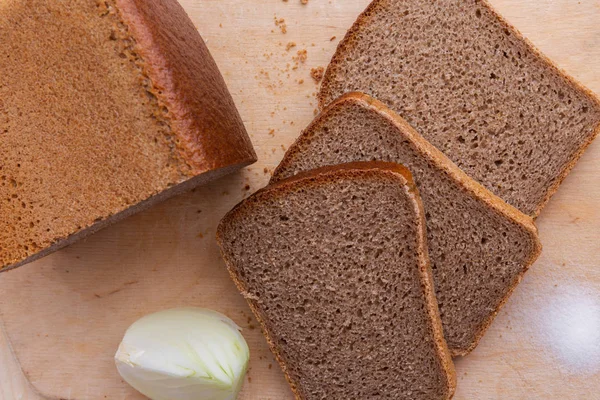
(334, 265)
(470, 83)
(479, 246)
(106, 107)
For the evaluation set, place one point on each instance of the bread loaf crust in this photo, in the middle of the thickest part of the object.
(138, 112)
(323, 174)
(208, 129)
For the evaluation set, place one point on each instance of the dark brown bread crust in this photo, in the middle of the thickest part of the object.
(208, 128)
(325, 94)
(135, 112)
(476, 190)
(305, 179)
(186, 186)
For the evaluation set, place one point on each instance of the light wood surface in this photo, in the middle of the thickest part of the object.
(66, 314)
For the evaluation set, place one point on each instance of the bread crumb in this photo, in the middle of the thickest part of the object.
(289, 46)
(301, 56)
(270, 366)
(301, 81)
(280, 22)
(247, 187)
(333, 38)
(200, 235)
(304, 1)
(272, 132)
(317, 74)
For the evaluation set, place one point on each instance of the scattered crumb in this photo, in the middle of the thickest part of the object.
(333, 38)
(266, 170)
(201, 236)
(272, 132)
(270, 366)
(317, 74)
(301, 81)
(249, 380)
(304, 1)
(301, 56)
(225, 193)
(247, 187)
(280, 22)
(290, 45)
(251, 327)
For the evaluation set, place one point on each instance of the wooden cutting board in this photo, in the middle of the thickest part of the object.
(66, 314)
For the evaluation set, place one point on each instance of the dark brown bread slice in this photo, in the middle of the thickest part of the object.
(479, 246)
(105, 108)
(470, 83)
(334, 265)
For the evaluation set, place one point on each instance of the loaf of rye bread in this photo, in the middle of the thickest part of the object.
(479, 245)
(106, 107)
(334, 265)
(475, 88)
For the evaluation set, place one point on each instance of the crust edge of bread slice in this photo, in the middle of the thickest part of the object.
(426, 275)
(446, 165)
(322, 95)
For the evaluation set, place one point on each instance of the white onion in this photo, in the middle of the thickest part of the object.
(184, 354)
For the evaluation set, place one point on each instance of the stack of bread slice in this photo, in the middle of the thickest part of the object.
(330, 255)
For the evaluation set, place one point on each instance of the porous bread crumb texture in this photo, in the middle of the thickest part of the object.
(83, 136)
(477, 254)
(471, 85)
(333, 273)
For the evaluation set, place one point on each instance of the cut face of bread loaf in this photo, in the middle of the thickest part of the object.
(479, 246)
(105, 108)
(334, 265)
(472, 86)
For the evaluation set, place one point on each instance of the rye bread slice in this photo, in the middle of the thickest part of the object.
(334, 265)
(106, 107)
(479, 246)
(474, 87)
